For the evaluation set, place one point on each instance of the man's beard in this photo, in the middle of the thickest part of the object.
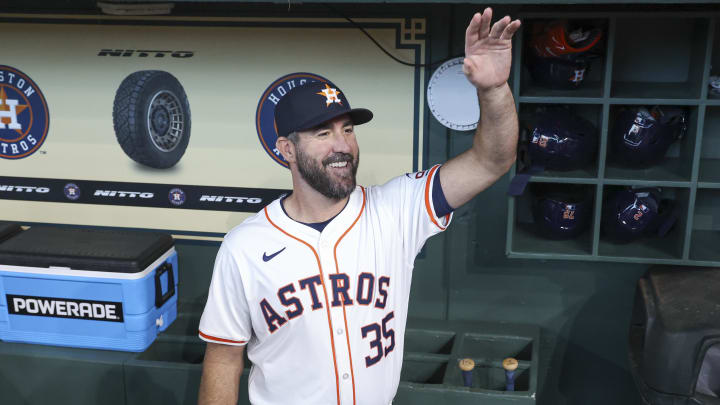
(317, 176)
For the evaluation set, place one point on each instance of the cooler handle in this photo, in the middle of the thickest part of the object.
(161, 298)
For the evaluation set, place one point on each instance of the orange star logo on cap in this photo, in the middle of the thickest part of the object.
(331, 95)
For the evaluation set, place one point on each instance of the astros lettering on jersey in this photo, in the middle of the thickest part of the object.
(323, 313)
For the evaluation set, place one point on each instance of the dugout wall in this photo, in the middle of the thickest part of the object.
(581, 303)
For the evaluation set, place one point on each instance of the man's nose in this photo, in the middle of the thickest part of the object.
(341, 142)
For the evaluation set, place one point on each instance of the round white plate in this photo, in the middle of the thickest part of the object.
(452, 99)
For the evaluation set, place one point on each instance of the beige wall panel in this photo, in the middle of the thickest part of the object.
(230, 70)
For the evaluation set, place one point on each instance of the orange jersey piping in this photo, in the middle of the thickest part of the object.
(427, 198)
(327, 306)
(206, 336)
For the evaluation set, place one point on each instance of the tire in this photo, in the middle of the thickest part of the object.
(151, 117)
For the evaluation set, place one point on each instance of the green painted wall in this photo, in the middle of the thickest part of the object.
(583, 308)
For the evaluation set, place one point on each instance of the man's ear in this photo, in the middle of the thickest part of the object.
(286, 148)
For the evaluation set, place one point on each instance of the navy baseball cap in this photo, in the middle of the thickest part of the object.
(310, 105)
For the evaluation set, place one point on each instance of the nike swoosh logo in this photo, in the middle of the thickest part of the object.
(267, 257)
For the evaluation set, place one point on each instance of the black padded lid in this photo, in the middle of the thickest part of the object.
(85, 249)
(8, 229)
(682, 307)
(687, 299)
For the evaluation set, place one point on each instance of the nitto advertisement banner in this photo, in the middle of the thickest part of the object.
(167, 123)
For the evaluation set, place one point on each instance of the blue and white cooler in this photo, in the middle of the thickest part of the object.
(87, 288)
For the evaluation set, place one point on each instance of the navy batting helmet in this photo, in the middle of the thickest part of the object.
(561, 140)
(641, 137)
(630, 213)
(555, 139)
(560, 73)
(561, 211)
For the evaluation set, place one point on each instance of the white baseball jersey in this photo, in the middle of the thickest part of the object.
(323, 313)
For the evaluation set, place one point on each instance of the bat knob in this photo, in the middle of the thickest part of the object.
(510, 364)
(466, 366)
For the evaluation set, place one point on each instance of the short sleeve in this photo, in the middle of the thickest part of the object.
(226, 318)
(411, 200)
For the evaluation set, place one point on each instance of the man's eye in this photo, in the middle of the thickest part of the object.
(348, 130)
(324, 133)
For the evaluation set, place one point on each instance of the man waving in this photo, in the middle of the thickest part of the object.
(317, 284)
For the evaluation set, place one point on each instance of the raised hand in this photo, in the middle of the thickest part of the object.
(488, 51)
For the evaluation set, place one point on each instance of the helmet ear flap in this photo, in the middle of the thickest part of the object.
(668, 214)
(523, 154)
(682, 125)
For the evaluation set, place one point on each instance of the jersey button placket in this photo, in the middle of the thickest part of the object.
(342, 355)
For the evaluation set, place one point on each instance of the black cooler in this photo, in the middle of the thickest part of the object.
(675, 336)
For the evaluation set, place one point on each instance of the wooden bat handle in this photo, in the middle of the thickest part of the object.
(466, 367)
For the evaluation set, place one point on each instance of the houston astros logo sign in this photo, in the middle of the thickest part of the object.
(265, 114)
(24, 115)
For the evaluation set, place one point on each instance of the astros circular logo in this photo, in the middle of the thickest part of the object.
(71, 191)
(177, 196)
(24, 114)
(265, 114)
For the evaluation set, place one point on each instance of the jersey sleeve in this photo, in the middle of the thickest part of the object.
(226, 318)
(411, 199)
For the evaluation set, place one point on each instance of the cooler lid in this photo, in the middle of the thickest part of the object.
(687, 299)
(8, 229)
(682, 307)
(85, 249)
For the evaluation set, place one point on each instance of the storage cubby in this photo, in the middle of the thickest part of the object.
(430, 371)
(529, 237)
(705, 243)
(591, 112)
(593, 77)
(675, 166)
(650, 245)
(429, 341)
(493, 378)
(650, 60)
(710, 152)
(483, 346)
(659, 57)
(423, 371)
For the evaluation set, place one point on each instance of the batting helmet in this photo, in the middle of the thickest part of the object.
(630, 213)
(561, 140)
(560, 53)
(641, 137)
(557, 72)
(561, 211)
